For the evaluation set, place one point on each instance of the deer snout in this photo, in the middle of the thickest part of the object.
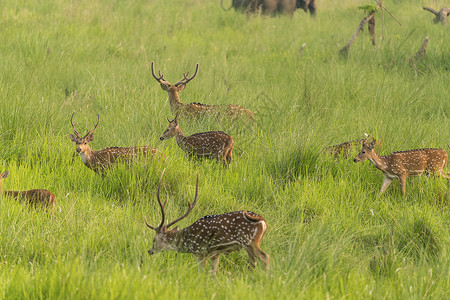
(355, 160)
(161, 138)
(78, 150)
(151, 252)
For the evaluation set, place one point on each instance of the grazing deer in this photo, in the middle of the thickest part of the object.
(210, 236)
(212, 143)
(402, 164)
(196, 109)
(37, 197)
(100, 161)
(344, 150)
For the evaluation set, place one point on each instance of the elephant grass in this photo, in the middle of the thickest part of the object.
(329, 234)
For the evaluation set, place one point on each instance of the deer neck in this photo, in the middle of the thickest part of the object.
(180, 138)
(175, 104)
(175, 240)
(86, 156)
(379, 162)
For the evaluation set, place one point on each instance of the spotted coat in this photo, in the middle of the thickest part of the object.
(215, 144)
(401, 164)
(35, 197)
(344, 149)
(196, 109)
(210, 236)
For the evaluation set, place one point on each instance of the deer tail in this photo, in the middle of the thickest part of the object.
(252, 217)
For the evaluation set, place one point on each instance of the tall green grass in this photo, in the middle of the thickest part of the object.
(329, 234)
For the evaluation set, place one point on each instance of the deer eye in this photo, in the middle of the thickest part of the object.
(364, 152)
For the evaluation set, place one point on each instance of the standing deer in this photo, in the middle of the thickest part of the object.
(37, 197)
(196, 109)
(100, 161)
(402, 164)
(344, 149)
(210, 236)
(212, 143)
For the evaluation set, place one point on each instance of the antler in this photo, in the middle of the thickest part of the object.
(95, 126)
(73, 125)
(160, 79)
(160, 204)
(191, 206)
(176, 118)
(185, 80)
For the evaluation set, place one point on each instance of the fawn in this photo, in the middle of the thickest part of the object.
(212, 143)
(196, 109)
(210, 236)
(402, 164)
(36, 197)
(100, 161)
(344, 149)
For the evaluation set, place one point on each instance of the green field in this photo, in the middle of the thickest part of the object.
(329, 233)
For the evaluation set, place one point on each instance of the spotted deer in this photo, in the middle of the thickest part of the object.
(36, 197)
(343, 150)
(216, 144)
(100, 161)
(196, 109)
(402, 164)
(210, 236)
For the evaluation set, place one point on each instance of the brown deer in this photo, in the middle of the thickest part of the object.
(37, 197)
(100, 161)
(343, 150)
(196, 109)
(216, 144)
(402, 164)
(210, 236)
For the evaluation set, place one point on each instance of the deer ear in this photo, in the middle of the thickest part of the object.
(90, 138)
(372, 145)
(5, 174)
(73, 138)
(164, 87)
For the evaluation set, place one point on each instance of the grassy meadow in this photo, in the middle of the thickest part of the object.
(329, 233)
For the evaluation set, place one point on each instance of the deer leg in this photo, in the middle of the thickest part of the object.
(215, 264)
(251, 258)
(255, 252)
(264, 257)
(402, 180)
(386, 182)
(201, 261)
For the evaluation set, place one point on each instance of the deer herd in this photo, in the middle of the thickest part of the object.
(212, 235)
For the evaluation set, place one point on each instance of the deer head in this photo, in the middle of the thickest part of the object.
(82, 142)
(167, 86)
(163, 235)
(366, 152)
(3, 176)
(171, 131)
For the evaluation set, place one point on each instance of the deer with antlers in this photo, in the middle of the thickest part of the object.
(196, 109)
(36, 197)
(344, 149)
(399, 165)
(100, 161)
(210, 236)
(216, 144)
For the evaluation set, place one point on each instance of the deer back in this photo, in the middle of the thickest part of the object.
(36, 197)
(223, 233)
(345, 149)
(107, 157)
(211, 142)
(416, 162)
